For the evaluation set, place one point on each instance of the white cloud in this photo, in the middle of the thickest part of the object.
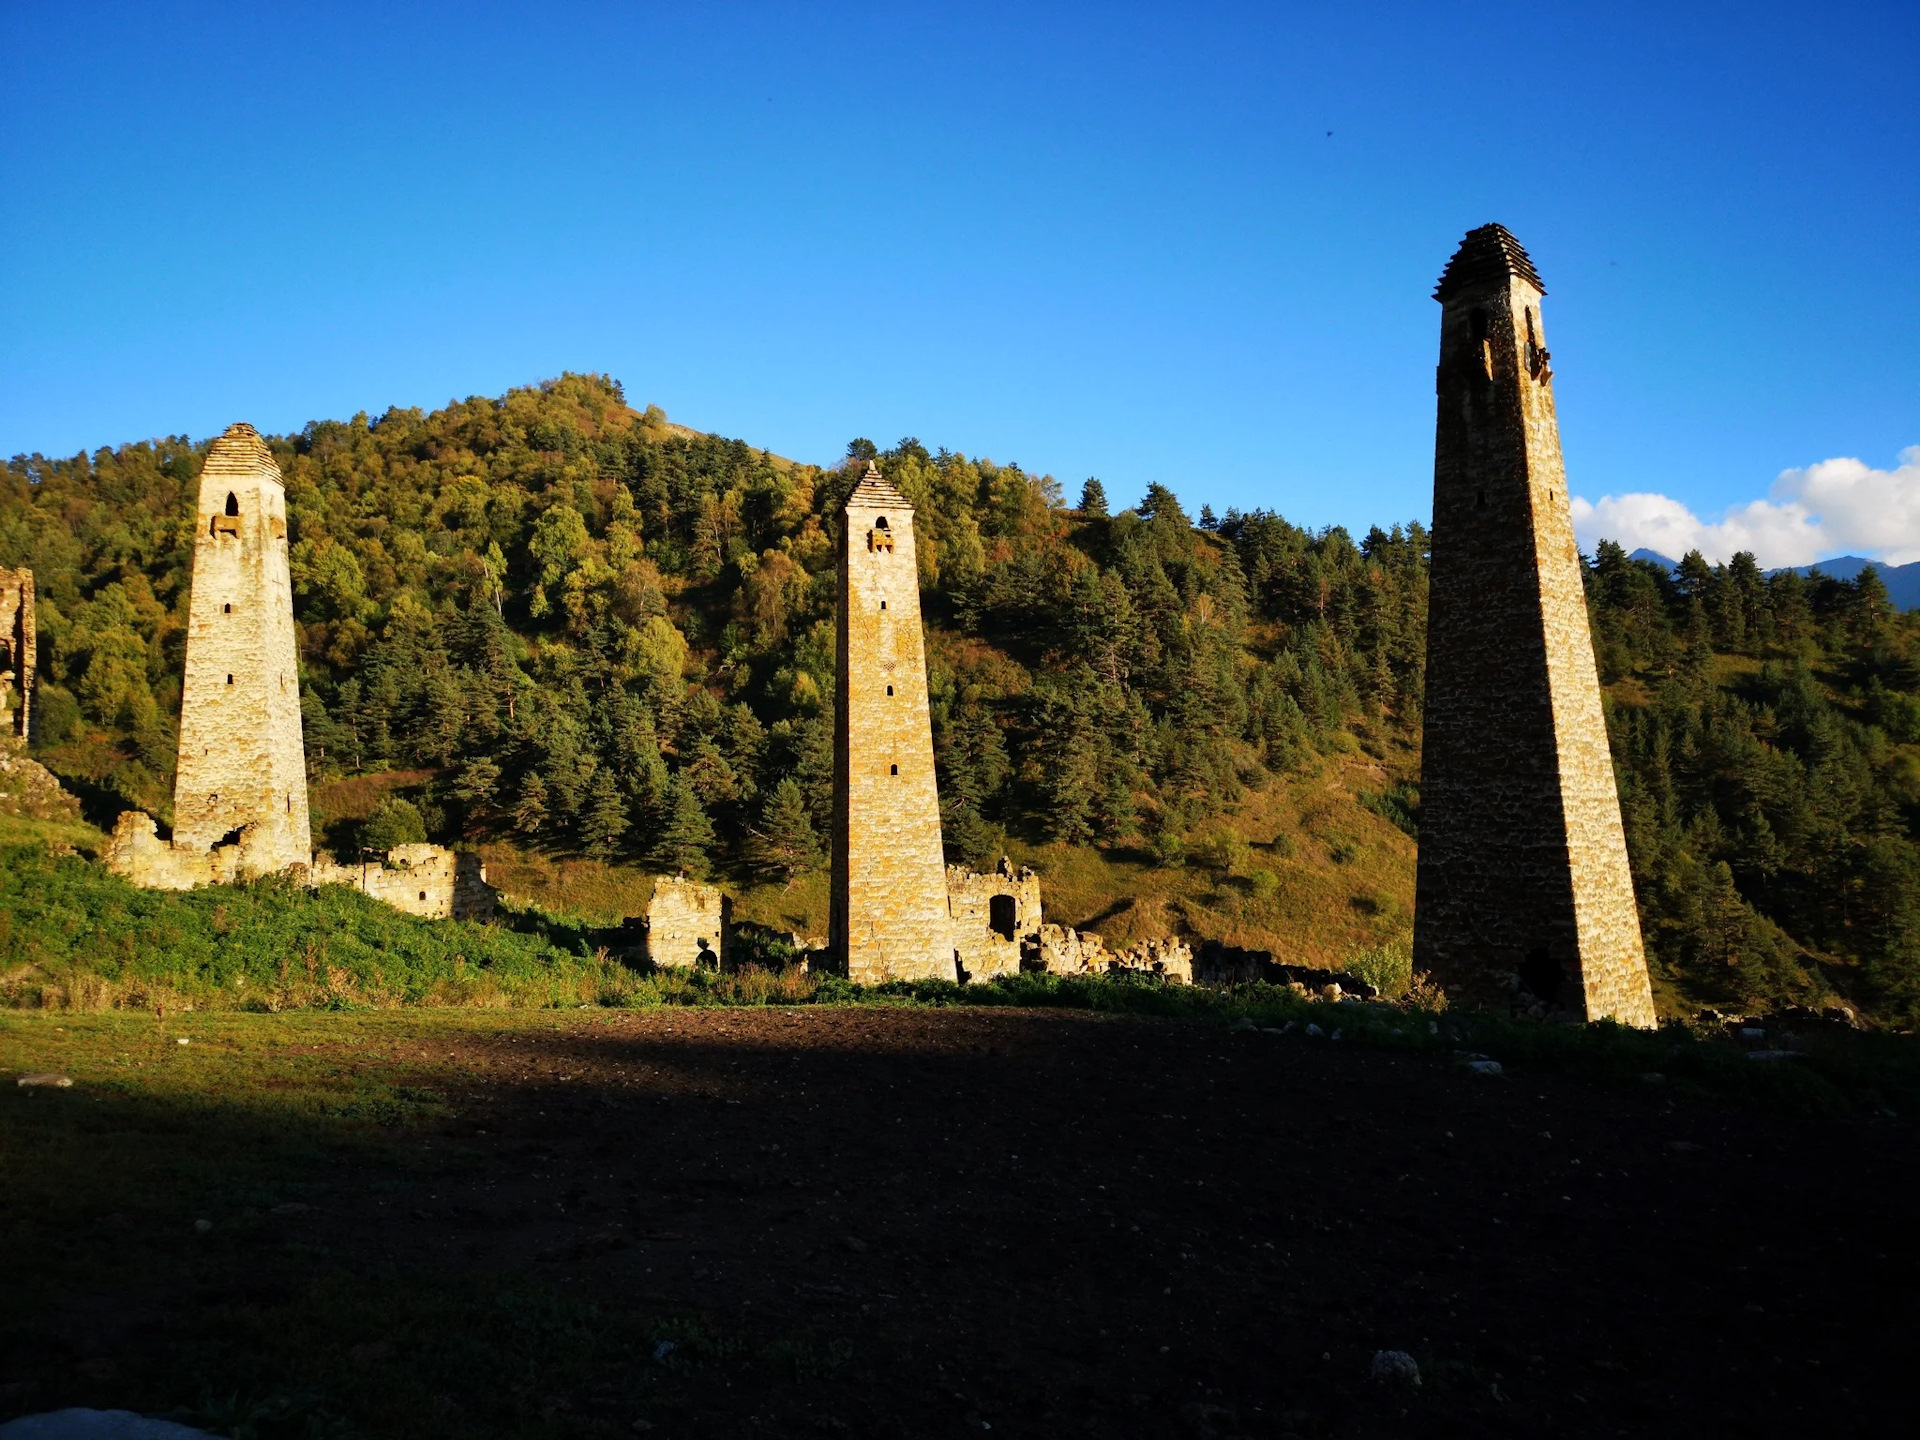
(1837, 507)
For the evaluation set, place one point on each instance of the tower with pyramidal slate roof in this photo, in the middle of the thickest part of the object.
(889, 918)
(1524, 894)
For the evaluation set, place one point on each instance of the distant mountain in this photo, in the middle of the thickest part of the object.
(1902, 581)
(1656, 557)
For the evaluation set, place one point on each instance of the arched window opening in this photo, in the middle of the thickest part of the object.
(883, 604)
(229, 679)
(1000, 916)
(226, 609)
(423, 894)
(893, 769)
(880, 523)
(233, 503)
(889, 689)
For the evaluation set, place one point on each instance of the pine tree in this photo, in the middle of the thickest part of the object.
(1093, 499)
(606, 818)
(530, 812)
(783, 844)
(685, 835)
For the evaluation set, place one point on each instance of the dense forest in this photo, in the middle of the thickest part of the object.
(595, 631)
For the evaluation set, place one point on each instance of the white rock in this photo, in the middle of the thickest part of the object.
(57, 1082)
(1485, 1067)
(94, 1425)
(1395, 1367)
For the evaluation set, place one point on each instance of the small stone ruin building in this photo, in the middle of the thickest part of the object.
(427, 880)
(995, 918)
(686, 924)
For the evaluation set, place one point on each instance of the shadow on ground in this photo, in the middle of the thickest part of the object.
(867, 1221)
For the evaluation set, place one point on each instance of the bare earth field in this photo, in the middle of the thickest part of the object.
(902, 1222)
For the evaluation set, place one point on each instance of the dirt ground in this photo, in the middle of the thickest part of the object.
(1050, 1224)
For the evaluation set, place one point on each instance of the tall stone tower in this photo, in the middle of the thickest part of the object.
(1523, 863)
(889, 911)
(242, 759)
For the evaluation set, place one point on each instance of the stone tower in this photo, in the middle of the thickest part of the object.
(18, 648)
(242, 759)
(1523, 864)
(889, 911)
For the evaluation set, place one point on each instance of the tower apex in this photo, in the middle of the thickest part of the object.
(1488, 254)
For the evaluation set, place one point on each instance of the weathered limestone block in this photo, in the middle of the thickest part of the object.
(686, 923)
(1523, 863)
(426, 880)
(888, 916)
(242, 761)
(996, 918)
(18, 648)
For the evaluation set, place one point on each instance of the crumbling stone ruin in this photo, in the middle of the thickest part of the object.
(1523, 887)
(996, 919)
(426, 880)
(240, 787)
(686, 924)
(888, 916)
(18, 647)
(1065, 951)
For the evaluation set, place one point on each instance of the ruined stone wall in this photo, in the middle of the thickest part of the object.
(991, 939)
(18, 651)
(1523, 874)
(686, 923)
(242, 762)
(1065, 951)
(889, 917)
(426, 880)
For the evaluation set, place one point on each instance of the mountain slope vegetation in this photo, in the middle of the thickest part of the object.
(579, 635)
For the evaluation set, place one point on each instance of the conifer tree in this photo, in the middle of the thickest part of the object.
(1093, 499)
(685, 835)
(606, 818)
(783, 844)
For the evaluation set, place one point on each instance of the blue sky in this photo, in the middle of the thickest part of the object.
(1174, 243)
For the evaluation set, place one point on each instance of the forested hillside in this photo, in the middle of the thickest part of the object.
(589, 631)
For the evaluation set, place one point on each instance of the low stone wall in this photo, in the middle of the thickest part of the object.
(686, 923)
(426, 880)
(1066, 951)
(995, 919)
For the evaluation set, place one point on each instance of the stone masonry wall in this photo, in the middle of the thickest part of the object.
(686, 923)
(426, 880)
(1523, 882)
(888, 910)
(1066, 951)
(989, 944)
(242, 762)
(19, 647)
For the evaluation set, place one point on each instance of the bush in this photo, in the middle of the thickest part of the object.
(1388, 968)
